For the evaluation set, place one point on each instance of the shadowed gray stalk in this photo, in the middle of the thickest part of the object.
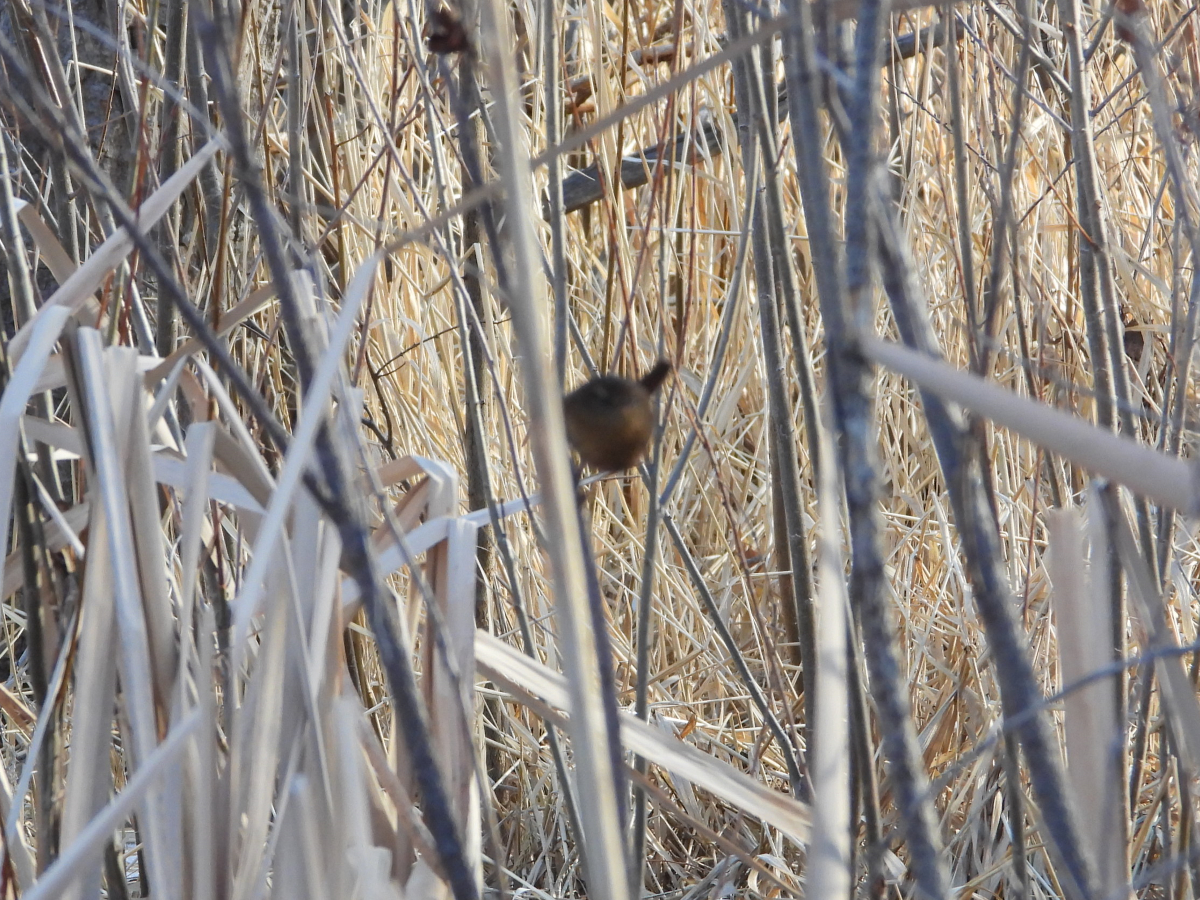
(864, 787)
(985, 565)
(966, 259)
(555, 210)
(468, 317)
(21, 295)
(466, 105)
(645, 630)
(607, 870)
(36, 568)
(732, 297)
(1180, 350)
(40, 44)
(1134, 29)
(293, 28)
(997, 285)
(767, 106)
(775, 284)
(45, 48)
(735, 654)
(997, 282)
(1096, 290)
(848, 384)
(1104, 327)
(651, 471)
(171, 116)
(205, 124)
(1103, 319)
(347, 514)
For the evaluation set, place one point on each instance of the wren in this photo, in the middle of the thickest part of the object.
(445, 32)
(610, 420)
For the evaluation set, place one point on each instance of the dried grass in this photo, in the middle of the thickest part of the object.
(193, 657)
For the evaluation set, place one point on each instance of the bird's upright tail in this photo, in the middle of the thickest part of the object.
(656, 376)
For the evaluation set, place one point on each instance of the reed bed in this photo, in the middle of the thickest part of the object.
(302, 597)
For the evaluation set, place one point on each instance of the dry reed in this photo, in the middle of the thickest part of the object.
(294, 560)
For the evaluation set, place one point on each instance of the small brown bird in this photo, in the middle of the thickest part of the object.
(445, 32)
(610, 419)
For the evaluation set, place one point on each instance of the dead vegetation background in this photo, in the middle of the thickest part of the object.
(285, 335)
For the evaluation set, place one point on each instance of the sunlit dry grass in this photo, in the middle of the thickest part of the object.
(279, 782)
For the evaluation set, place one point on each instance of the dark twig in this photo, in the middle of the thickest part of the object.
(584, 187)
(985, 565)
(348, 515)
(845, 308)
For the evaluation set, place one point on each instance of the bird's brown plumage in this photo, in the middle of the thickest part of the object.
(610, 419)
